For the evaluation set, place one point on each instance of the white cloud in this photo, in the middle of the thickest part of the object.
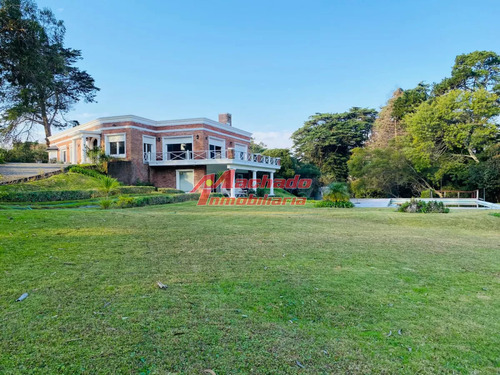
(274, 139)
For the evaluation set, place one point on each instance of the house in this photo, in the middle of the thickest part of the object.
(171, 153)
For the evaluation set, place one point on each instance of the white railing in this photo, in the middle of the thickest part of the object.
(230, 154)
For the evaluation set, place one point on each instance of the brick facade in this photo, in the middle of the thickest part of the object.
(136, 169)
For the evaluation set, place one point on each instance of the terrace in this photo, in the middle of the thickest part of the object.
(213, 157)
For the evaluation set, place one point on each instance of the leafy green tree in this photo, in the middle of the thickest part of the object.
(383, 172)
(457, 125)
(257, 148)
(472, 71)
(26, 152)
(327, 140)
(288, 163)
(408, 101)
(38, 80)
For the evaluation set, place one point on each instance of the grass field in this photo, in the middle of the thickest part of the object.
(63, 181)
(263, 290)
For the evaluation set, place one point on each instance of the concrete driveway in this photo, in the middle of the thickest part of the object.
(14, 171)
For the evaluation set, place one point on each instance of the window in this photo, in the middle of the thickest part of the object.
(178, 148)
(63, 156)
(215, 152)
(216, 148)
(148, 147)
(115, 145)
(185, 179)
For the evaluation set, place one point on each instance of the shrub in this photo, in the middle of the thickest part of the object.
(86, 171)
(170, 191)
(108, 185)
(163, 199)
(331, 204)
(419, 206)
(337, 192)
(125, 202)
(135, 189)
(105, 203)
(46, 195)
(261, 192)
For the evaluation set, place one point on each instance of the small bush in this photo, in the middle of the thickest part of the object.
(337, 192)
(260, 192)
(125, 202)
(332, 204)
(170, 191)
(418, 206)
(135, 189)
(105, 203)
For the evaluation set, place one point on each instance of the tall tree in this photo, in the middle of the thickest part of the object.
(327, 140)
(38, 80)
(386, 127)
(471, 72)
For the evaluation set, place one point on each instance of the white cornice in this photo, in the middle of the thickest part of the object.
(145, 121)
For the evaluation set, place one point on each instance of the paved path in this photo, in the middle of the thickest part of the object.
(13, 171)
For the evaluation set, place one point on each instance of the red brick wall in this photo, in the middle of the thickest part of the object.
(165, 176)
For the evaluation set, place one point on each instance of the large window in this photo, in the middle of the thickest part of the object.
(178, 148)
(115, 145)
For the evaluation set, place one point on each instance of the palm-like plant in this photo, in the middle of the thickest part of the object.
(108, 185)
(337, 192)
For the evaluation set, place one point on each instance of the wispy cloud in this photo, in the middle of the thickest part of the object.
(274, 139)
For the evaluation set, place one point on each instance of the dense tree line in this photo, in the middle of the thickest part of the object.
(431, 137)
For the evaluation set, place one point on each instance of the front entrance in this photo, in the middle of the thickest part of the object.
(185, 179)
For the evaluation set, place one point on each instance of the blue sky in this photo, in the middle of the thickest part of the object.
(269, 63)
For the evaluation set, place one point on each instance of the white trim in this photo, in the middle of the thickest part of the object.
(106, 145)
(177, 185)
(145, 121)
(177, 139)
(217, 142)
(240, 145)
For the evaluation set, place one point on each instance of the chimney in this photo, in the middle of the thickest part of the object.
(225, 118)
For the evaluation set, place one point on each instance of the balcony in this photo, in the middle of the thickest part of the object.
(206, 157)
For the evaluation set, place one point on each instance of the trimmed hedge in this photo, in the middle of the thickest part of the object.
(124, 202)
(170, 191)
(331, 204)
(47, 195)
(135, 189)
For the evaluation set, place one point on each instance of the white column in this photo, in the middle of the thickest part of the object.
(233, 183)
(271, 192)
(73, 151)
(254, 177)
(82, 149)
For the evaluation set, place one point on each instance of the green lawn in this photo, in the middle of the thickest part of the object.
(63, 181)
(263, 290)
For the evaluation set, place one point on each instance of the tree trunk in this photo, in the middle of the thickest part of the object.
(472, 155)
(46, 125)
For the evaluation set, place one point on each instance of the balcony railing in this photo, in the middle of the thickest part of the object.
(163, 158)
